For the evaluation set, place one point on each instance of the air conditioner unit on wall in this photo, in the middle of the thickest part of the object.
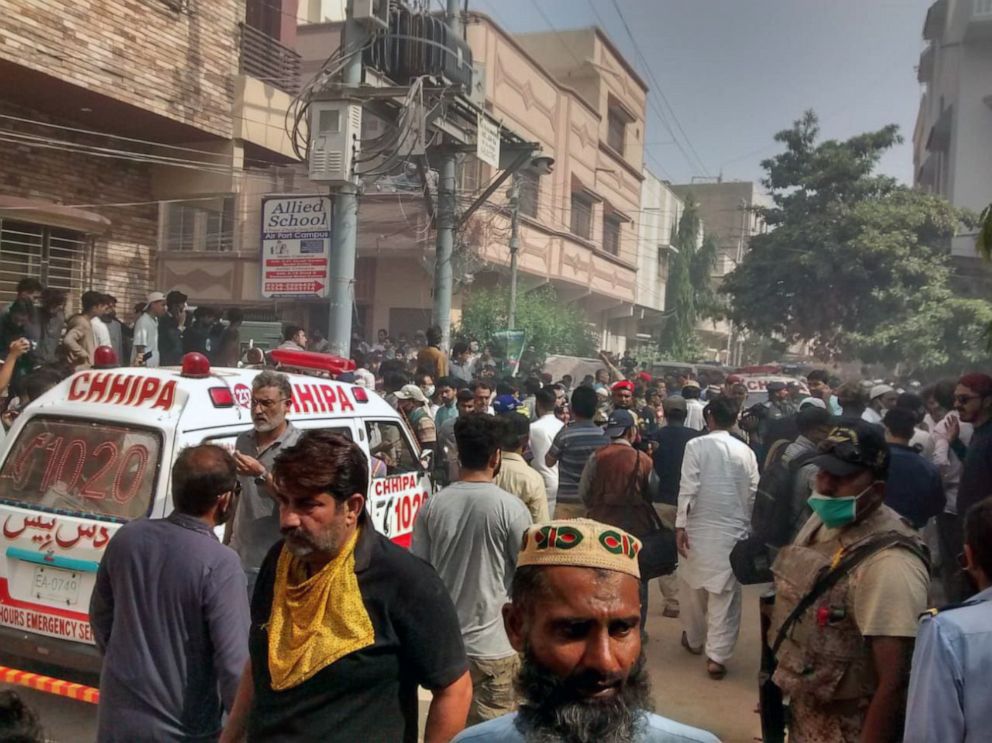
(335, 129)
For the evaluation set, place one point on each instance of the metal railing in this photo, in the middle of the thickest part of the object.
(266, 59)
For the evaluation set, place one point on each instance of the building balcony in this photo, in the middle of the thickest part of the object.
(939, 139)
(933, 27)
(924, 71)
(265, 59)
(979, 27)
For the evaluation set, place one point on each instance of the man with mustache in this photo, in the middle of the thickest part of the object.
(256, 521)
(345, 625)
(575, 617)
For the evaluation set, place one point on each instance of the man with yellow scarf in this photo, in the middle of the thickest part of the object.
(345, 625)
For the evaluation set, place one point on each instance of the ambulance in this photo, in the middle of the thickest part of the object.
(97, 451)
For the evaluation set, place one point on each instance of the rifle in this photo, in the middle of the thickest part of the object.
(771, 706)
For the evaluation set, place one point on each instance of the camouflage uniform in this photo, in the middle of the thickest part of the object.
(824, 664)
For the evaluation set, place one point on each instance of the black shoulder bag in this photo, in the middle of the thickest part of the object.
(658, 556)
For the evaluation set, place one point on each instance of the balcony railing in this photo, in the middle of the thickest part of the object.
(266, 59)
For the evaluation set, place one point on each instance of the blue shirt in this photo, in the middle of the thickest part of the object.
(655, 730)
(913, 489)
(949, 684)
(170, 613)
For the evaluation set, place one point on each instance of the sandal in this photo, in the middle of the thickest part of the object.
(690, 648)
(716, 670)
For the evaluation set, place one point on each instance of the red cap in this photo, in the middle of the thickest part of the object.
(625, 384)
(644, 377)
(733, 378)
(104, 357)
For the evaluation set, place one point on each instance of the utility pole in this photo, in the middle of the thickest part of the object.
(344, 242)
(514, 248)
(446, 218)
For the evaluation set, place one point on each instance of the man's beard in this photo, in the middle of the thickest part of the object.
(553, 709)
(264, 425)
(328, 541)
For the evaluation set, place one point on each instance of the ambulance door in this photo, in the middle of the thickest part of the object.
(398, 484)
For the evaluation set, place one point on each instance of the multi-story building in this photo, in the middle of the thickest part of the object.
(575, 95)
(661, 210)
(128, 129)
(952, 141)
(729, 211)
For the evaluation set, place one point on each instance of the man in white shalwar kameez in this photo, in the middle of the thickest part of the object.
(716, 495)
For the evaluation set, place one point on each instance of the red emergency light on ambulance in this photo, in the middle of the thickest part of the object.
(97, 451)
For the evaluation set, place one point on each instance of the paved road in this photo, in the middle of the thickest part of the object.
(682, 690)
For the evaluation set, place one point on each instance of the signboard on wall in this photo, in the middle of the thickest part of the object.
(296, 246)
(487, 142)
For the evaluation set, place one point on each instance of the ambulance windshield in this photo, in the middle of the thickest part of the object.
(82, 467)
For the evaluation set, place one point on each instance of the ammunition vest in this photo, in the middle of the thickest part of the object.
(824, 655)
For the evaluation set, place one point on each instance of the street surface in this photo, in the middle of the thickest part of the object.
(682, 690)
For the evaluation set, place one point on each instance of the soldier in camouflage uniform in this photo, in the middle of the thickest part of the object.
(844, 659)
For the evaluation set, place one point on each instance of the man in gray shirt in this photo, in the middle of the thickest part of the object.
(170, 613)
(470, 532)
(256, 520)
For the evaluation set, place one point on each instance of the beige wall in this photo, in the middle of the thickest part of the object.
(529, 85)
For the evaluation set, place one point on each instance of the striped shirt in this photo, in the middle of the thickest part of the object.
(572, 447)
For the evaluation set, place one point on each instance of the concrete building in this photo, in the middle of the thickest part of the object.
(952, 141)
(579, 98)
(727, 208)
(661, 210)
(129, 130)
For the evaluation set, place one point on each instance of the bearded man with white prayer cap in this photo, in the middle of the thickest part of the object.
(575, 617)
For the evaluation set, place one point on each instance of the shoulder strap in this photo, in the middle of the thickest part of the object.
(802, 459)
(843, 564)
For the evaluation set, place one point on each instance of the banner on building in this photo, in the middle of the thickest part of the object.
(296, 246)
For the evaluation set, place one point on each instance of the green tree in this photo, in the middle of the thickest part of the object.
(854, 263)
(540, 316)
(689, 293)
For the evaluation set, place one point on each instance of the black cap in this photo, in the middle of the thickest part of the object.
(619, 421)
(854, 446)
(775, 386)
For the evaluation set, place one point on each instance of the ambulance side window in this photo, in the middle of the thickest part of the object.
(389, 446)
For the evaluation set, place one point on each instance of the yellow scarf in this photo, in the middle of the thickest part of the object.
(316, 620)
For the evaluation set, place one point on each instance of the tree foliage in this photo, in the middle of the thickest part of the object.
(549, 327)
(854, 263)
(689, 293)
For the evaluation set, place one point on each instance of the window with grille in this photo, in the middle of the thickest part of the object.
(55, 256)
(581, 223)
(611, 235)
(530, 191)
(616, 129)
(206, 226)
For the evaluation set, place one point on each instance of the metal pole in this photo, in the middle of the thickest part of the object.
(446, 219)
(514, 248)
(344, 238)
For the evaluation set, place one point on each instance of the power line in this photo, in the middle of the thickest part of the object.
(661, 93)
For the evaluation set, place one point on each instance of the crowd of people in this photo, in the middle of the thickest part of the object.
(521, 604)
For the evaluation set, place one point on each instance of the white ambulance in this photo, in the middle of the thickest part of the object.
(97, 451)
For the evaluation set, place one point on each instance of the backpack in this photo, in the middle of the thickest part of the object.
(771, 520)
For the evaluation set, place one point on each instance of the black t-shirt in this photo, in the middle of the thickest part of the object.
(371, 694)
